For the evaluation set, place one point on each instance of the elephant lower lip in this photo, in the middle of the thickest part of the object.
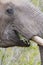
(4, 40)
(9, 39)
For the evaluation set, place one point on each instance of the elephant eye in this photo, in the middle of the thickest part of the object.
(10, 11)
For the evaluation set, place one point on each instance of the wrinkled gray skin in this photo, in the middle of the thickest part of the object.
(8, 22)
(24, 19)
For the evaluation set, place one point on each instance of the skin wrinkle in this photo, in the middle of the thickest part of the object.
(23, 20)
(27, 25)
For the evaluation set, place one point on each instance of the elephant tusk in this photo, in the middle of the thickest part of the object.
(38, 40)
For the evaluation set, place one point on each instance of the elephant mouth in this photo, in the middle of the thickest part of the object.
(23, 42)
